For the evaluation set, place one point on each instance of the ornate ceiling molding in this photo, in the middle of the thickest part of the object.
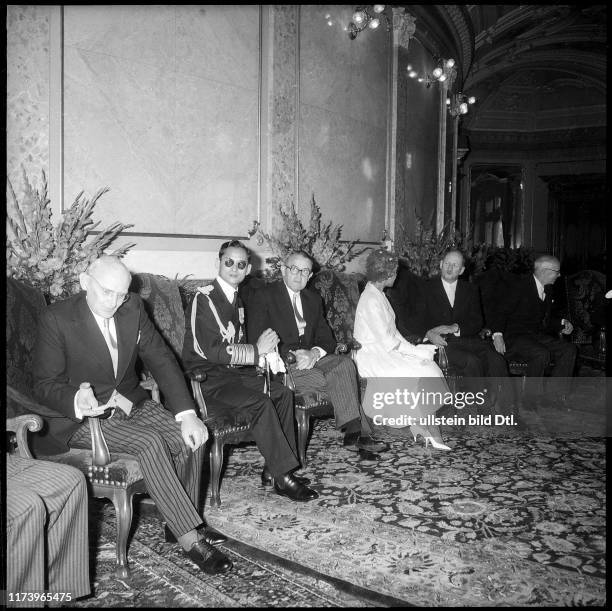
(456, 15)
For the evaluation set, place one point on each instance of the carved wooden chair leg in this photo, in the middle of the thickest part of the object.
(303, 426)
(122, 500)
(216, 463)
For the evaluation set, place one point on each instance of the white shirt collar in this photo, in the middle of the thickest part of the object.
(227, 289)
(291, 292)
(100, 321)
(449, 285)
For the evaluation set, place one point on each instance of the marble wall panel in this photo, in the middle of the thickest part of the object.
(417, 144)
(219, 43)
(140, 33)
(344, 106)
(216, 158)
(27, 93)
(161, 104)
(118, 132)
(339, 74)
(343, 162)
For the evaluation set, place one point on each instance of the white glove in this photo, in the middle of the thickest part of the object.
(275, 363)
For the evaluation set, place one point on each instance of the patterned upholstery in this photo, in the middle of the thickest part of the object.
(120, 479)
(23, 305)
(340, 293)
(586, 303)
(123, 470)
(163, 304)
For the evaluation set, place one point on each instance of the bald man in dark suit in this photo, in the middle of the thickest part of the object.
(527, 324)
(85, 365)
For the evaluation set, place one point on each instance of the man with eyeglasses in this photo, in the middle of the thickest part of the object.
(296, 314)
(527, 324)
(85, 366)
(215, 340)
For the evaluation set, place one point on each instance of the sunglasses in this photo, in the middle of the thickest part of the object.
(230, 263)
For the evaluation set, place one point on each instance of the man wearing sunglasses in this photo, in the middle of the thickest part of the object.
(527, 324)
(85, 365)
(215, 340)
(296, 314)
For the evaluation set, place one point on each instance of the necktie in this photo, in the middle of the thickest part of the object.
(301, 323)
(111, 343)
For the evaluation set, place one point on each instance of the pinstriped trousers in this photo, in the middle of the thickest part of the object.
(46, 508)
(171, 471)
(336, 376)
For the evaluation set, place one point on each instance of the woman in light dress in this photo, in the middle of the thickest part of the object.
(385, 353)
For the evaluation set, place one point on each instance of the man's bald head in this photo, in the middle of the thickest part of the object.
(547, 269)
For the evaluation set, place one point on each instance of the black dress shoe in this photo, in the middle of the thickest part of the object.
(209, 559)
(357, 441)
(288, 486)
(267, 479)
(210, 535)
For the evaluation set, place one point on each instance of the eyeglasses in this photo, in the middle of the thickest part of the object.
(294, 269)
(230, 263)
(552, 269)
(120, 298)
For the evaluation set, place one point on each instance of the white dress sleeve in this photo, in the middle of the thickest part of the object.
(375, 324)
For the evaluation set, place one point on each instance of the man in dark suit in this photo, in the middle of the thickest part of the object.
(46, 530)
(296, 314)
(526, 324)
(215, 340)
(450, 315)
(85, 365)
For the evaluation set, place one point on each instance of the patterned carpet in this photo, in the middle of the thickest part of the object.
(507, 518)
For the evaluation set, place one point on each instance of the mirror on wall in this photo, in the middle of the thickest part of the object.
(496, 205)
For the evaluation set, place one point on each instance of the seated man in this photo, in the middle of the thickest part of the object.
(89, 344)
(526, 325)
(450, 315)
(215, 341)
(296, 314)
(46, 531)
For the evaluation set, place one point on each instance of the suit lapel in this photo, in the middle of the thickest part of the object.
(87, 328)
(224, 307)
(459, 298)
(285, 305)
(443, 296)
(308, 311)
(127, 338)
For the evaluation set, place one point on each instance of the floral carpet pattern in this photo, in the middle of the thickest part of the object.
(506, 518)
(503, 519)
(161, 576)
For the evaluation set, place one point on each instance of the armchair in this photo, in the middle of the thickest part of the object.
(230, 427)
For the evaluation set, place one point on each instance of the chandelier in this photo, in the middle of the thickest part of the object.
(459, 104)
(444, 70)
(369, 16)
